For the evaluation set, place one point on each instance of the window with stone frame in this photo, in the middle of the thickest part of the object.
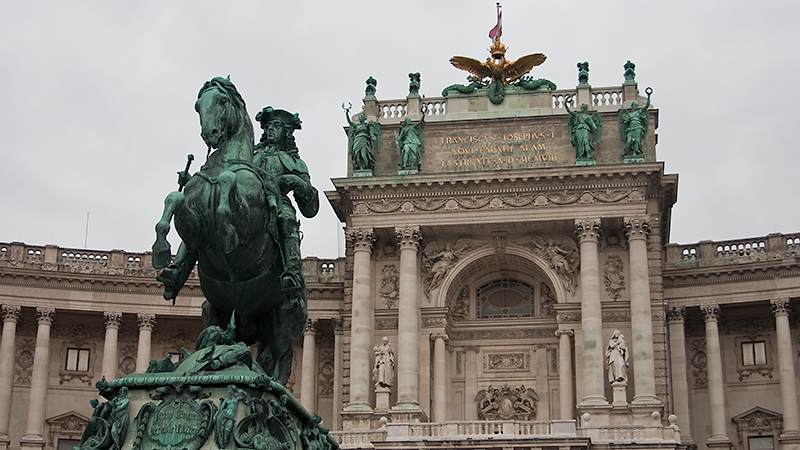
(758, 429)
(77, 359)
(505, 298)
(753, 356)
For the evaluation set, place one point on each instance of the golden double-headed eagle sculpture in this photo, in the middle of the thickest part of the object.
(497, 67)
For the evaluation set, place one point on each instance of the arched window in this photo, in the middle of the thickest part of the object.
(505, 298)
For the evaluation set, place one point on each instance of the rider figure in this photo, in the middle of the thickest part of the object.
(277, 154)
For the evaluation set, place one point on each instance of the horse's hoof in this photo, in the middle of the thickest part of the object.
(162, 255)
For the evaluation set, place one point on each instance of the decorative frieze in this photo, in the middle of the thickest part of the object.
(386, 324)
(502, 333)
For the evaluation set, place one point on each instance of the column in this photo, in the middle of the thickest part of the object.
(644, 387)
(588, 231)
(716, 388)
(308, 378)
(565, 399)
(408, 320)
(338, 345)
(146, 324)
(791, 425)
(470, 383)
(680, 376)
(440, 387)
(361, 240)
(41, 364)
(110, 356)
(7, 346)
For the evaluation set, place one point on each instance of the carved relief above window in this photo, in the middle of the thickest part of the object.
(753, 356)
(758, 429)
(504, 298)
(66, 429)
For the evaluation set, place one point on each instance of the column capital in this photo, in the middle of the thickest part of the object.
(442, 336)
(587, 229)
(780, 306)
(45, 316)
(561, 332)
(637, 227)
(710, 312)
(408, 237)
(311, 326)
(11, 313)
(676, 315)
(146, 321)
(112, 319)
(360, 238)
(471, 348)
(338, 326)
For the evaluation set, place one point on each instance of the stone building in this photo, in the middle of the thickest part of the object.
(502, 271)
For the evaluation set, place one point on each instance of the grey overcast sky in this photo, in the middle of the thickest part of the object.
(96, 105)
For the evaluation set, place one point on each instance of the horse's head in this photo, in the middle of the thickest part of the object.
(223, 117)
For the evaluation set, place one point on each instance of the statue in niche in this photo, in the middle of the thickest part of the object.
(362, 138)
(389, 285)
(633, 125)
(584, 129)
(409, 142)
(460, 310)
(383, 371)
(614, 280)
(372, 87)
(630, 72)
(413, 84)
(617, 359)
(436, 263)
(583, 74)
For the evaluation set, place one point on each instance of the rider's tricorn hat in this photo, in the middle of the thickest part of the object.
(268, 114)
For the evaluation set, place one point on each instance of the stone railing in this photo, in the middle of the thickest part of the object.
(484, 429)
(655, 432)
(358, 439)
(774, 247)
(118, 262)
(545, 102)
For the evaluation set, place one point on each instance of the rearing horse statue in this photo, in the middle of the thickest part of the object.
(227, 220)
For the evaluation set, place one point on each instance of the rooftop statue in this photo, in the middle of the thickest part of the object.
(633, 124)
(233, 219)
(413, 84)
(630, 72)
(362, 138)
(583, 74)
(372, 87)
(499, 71)
(584, 131)
(409, 141)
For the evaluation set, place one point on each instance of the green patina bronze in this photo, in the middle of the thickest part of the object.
(583, 74)
(531, 84)
(633, 125)
(413, 84)
(630, 73)
(362, 138)
(409, 142)
(584, 131)
(464, 89)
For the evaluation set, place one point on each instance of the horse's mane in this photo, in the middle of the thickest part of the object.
(225, 85)
(243, 138)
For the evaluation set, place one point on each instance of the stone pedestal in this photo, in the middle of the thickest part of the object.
(620, 398)
(381, 399)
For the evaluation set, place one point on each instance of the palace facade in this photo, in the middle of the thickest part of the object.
(505, 274)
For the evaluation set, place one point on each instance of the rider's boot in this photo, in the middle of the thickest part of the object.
(291, 278)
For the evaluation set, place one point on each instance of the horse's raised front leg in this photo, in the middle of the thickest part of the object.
(232, 212)
(161, 249)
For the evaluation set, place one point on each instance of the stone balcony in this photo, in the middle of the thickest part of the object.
(510, 434)
(706, 254)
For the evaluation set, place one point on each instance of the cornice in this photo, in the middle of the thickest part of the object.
(87, 282)
(729, 274)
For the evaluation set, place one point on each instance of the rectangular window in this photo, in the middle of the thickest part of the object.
(754, 353)
(760, 442)
(78, 359)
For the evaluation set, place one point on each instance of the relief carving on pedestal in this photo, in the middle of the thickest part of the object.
(437, 262)
(506, 403)
(564, 258)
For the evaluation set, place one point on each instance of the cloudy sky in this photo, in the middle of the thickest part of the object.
(96, 107)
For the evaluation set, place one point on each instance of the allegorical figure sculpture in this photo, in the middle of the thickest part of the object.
(630, 72)
(372, 87)
(277, 154)
(120, 417)
(617, 358)
(409, 142)
(584, 131)
(583, 74)
(383, 371)
(633, 124)
(362, 138)
(226, 416)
